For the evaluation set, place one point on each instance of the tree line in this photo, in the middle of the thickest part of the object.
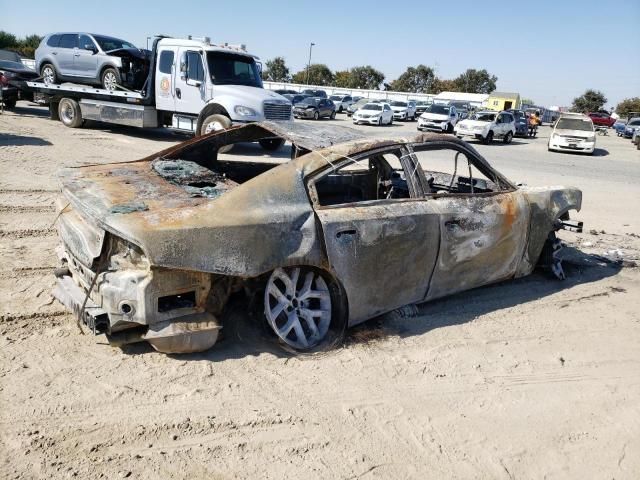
(25, 47)
(419, 79)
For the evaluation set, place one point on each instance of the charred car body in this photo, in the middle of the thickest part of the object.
(351, 228)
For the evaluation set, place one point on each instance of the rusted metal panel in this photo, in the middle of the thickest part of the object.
(482, 241)
(383, 253)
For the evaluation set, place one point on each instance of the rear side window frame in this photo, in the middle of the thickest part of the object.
(162, 62)
(54, 40)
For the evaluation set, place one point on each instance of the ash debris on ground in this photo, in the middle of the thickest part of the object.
(196, 180)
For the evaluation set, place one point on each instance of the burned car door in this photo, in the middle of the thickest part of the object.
(484, 220)
(381, 237)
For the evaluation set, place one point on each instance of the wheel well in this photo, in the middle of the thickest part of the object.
(104, 68)
(211, 109)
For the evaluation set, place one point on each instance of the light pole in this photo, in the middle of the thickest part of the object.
(309, 62)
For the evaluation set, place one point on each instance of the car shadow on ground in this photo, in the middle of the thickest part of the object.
(25, 109)
(463, 307)
(246, 333)
(158, 134)
(8, 139)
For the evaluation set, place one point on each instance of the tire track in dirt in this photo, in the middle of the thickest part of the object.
(27, 209)
(28, 232)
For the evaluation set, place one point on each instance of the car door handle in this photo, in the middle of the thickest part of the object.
(346, 233)
(54, 53)
(76, 54)
(178, 93)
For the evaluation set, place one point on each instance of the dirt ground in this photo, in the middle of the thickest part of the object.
(534, 378)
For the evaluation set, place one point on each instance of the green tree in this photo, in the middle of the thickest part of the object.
(418, 79)
(319, 74)
(366, 77)
(276, 70)
(342, 79)
(7, 39)
(628, 105)
(528, 101)
(589, 101)
(444, 85)
(476, 81)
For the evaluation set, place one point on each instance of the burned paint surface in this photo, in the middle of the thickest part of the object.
(182, 227)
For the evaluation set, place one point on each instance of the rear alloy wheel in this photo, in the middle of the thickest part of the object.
(215, 123)
(110, 79)
(300, 306)
(48, 74)
(488, 139)
(508, 137)
(69, 113)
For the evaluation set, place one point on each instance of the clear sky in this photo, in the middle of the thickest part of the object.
(550, 51)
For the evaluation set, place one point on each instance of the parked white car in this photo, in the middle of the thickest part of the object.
(573, 132)
(403, 110)
(341, 101)
(374, 114)
(485, 126)
(438, 117)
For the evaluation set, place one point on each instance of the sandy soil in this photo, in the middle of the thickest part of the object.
(534, 378)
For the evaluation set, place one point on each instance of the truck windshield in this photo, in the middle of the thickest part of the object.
(231, 69)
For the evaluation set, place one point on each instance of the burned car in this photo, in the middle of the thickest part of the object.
(350, 228)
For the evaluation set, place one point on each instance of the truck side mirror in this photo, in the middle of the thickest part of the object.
(90, 47)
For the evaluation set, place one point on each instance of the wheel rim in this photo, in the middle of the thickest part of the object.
(67, 113)
(298, 307)
(48, 75)
(110, 81)
(213, 127)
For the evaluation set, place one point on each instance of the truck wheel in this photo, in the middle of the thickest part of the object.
(110, 79)
(215, 123)
(48, 74)
(9, 104)
(69, 113)
(271, 144)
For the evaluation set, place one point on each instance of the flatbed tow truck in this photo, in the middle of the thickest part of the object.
(193, 86)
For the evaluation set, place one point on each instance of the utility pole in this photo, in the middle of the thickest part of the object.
(309, 62)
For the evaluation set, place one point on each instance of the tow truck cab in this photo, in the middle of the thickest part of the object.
(195, 80)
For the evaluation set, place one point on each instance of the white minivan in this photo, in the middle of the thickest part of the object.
(573, 132)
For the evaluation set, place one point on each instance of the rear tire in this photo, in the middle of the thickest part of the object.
(69, 113)
(215, 123)
(48, 74)
(305, 308)
(110, 79)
